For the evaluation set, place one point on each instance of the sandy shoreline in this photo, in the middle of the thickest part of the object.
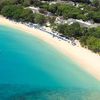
(88, 60)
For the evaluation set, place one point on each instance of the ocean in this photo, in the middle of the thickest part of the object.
(31, 69)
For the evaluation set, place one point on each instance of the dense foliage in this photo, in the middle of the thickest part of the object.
(18, 13)
(89, 38)
(83, 11)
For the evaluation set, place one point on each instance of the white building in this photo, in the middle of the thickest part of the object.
(34, 9)
(60, 20)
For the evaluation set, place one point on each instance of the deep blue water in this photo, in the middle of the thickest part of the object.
(31, 69)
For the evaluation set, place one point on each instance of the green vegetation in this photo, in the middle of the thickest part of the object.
(73, 30)
(18, 13)
(70, 11)
(91, 11)
(38, 18)
(89, 38)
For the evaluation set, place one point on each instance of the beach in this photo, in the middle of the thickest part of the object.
(89, 61)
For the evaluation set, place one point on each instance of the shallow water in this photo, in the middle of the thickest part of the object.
(31, 69)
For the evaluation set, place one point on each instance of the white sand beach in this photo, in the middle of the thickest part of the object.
(88, 60)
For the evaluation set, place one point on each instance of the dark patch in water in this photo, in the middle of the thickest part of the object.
(18, 92)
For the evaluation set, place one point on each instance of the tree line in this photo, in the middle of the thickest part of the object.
(68, 11)
(19, 13)
(83, 11)
(88, 37)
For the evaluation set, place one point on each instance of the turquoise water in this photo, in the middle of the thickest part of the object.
(31, 69)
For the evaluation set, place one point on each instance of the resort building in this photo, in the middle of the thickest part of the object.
(34, 9)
